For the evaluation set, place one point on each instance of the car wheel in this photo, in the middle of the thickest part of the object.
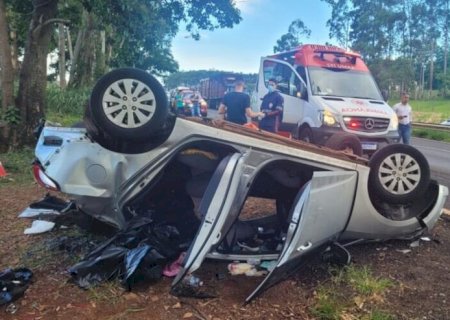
(306, 135)
(399, 173)
(345, 142)
(129, 104)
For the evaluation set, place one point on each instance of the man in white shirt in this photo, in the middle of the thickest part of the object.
(404, 114)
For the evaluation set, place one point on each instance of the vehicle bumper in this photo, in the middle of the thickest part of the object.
(323, 133)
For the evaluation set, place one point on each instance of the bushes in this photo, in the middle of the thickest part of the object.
(66, 106)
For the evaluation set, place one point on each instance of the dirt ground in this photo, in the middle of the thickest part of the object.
(421, 280)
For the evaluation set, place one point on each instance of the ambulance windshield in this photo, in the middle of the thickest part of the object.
(345, 83)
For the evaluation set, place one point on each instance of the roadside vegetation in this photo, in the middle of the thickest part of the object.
(352, 292)
(66, 106)
(430, 111)
(17, 165)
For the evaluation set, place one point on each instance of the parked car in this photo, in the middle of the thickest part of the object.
(446, 122)
(135, 158)
(188, 99)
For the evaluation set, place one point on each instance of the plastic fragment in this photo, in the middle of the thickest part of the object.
(414, 244)
(39, 226)
(403, 250)
(427, 239)
(34, 213)
(171, 270)
(193, 281)
(11, 308)
(269, 265)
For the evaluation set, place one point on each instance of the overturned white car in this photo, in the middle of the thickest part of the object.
(136, 158)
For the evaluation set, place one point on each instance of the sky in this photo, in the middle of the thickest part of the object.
(239, 49)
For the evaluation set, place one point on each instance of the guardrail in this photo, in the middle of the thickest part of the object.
(439, 127)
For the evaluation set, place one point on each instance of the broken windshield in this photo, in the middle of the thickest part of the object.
(343, 83)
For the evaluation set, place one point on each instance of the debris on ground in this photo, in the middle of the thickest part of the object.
(237, 268)
(13, 284)
(136, 254)
(414, 244)
(171, 270)
(39, 226)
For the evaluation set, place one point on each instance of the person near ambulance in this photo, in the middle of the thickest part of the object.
(404, 114)
(272, 108)
(235, 105)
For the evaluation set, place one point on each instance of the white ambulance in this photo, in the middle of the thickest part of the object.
(329, 91)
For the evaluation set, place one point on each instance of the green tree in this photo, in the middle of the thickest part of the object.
(113, 33)
(297, 30)
(339, 22)
(139, 33)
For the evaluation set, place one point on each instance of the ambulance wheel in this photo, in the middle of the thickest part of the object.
(345, 142)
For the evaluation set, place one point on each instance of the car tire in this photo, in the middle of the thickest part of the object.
(343, 141)
(399, 174)
(128, 104)
(306, 134)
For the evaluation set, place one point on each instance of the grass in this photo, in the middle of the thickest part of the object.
(109, 291)
(431, 134)
(352, 293)
(429, 111)
(364, 282)
(18, 166)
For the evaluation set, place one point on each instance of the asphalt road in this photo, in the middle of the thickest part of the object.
(438, 156)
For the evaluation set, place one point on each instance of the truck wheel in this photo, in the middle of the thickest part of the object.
(306, 135)
(399, 173)
(129, 104)
(345, 142)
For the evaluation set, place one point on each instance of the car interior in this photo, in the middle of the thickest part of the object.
(183, 191)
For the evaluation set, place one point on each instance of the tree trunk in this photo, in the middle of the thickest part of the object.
(33, 74)
(69, 44)
(430, 85)
(100, 58)
(62, 56)
(82, 70)
(7, 77)
(7, 72)
(446, 22)
(14, 52)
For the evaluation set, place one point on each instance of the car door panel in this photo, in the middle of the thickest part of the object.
(214, 207)
(320, 213)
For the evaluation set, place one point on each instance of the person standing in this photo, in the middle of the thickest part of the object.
(179, 103)
(404, 115)
(196, 104)
(236, 105)
(272, 107)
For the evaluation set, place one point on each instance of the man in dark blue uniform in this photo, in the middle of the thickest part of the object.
(272, 107)
(236, 105)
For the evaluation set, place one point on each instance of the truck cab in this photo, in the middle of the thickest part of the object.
(326, 90)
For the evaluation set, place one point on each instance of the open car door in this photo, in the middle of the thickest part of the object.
(214, 207)
(319, 214)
